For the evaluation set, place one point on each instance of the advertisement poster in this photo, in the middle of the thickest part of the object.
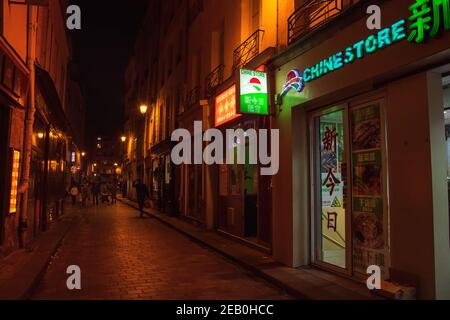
(368, 219)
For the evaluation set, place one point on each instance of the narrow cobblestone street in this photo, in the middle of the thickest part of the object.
(124, 257)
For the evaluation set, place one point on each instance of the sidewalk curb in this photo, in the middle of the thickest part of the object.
(25, 280)
(248, 266)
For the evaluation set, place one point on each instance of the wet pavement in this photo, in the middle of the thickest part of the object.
(124, 257)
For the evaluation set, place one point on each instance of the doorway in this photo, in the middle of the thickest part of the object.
(349, 200)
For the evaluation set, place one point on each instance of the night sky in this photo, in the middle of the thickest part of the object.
(101, 51)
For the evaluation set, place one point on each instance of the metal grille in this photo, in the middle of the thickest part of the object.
(311, 15)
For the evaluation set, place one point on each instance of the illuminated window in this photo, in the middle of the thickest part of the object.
(14, 181)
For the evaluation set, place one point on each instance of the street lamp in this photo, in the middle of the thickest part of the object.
(143, 108)
(83, 154)
(123, 138)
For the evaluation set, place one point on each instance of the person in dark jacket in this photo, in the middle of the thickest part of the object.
(141, 193)
(95, 192)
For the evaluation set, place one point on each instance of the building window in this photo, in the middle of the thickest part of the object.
(255, 14)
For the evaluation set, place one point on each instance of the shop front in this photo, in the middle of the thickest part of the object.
(50, 151)
(14, 84)
(364, 159)
(244, 206)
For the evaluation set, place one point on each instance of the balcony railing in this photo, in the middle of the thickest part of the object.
(214, 79)
(311, 15)
(247, 50)
(192, 98)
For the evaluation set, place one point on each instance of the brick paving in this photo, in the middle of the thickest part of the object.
(124, 257)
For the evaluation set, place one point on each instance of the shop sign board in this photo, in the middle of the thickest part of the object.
(225, 106)
(253, 92)
(428, 19)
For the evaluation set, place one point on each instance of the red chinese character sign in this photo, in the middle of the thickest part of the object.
(225, 106)
(330, 146)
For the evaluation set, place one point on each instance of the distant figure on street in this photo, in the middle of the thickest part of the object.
(113, 191)
(84, 193)
(142, 193)
(95, 192)
(74, 191)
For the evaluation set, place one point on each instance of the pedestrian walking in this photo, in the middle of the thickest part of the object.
(84, 194)
(113, 191)
(95, 192)
(142, 194)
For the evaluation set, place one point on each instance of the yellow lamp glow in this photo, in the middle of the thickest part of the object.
(143, 108)
(123, 138)
(40, 135)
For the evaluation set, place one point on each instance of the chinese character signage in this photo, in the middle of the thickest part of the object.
(369, 222)
(428, 19)
(253, 92)
(225, 106)
(14, 181)
(424, 20)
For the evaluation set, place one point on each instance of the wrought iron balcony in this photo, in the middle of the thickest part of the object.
(192, 97)
(312, 14)
(247, 50)
(214, 79)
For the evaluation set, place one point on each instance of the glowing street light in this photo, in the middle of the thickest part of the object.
(123, 138)
(143, 108)
(83, 154)
(40, 135)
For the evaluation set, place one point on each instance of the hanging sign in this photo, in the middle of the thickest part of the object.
(253, 92)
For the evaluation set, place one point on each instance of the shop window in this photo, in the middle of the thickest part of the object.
(349, 200)
(15, 164)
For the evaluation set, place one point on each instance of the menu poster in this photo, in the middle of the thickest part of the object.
(368, 217)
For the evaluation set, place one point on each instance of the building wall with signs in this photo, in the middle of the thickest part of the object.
(14, 79)
(403, 76)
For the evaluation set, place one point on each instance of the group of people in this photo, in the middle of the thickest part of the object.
(95, 190)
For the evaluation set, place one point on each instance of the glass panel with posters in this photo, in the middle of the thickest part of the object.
(369, 217)
(349, 201)
(330, 176)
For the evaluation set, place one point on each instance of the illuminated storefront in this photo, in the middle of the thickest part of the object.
(361, 118)
(243, 195)
(14, 84)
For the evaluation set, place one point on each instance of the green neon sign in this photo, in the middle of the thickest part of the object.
(253, 92)
(384, 38)
(428, 19)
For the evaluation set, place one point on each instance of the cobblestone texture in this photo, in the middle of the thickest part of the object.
(124, 257)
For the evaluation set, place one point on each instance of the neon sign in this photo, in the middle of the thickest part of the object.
(428, 19)
(425, 20)
(294, 80)
(384, 38)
